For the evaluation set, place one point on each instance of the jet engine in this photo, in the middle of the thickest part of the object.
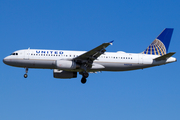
(64, 74)
(65, 64)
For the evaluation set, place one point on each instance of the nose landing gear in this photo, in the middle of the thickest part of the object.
(25, 75)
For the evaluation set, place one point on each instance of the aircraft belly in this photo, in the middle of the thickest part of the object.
(123, 66)
(47, 64)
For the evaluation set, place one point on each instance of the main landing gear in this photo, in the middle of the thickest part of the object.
(25, 75)
(84, 76)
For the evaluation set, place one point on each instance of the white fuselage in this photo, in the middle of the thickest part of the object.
(109, 61)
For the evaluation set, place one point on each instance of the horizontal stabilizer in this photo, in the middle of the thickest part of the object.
(165, 57)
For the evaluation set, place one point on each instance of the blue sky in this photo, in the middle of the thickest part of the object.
(147, 94)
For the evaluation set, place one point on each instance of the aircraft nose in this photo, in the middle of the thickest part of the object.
(6, 60)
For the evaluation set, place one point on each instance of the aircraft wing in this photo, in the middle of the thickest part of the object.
(90, 56)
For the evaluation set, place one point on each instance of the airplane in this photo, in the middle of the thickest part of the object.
(66, 64)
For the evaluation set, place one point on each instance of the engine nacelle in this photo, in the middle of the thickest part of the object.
(64, 74)
(65, 64)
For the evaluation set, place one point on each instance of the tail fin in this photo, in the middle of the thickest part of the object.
(161, 44)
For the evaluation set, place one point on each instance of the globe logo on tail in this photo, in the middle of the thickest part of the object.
(155, 48)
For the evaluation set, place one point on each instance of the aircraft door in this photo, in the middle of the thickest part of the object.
(140, 59)
(26, 54)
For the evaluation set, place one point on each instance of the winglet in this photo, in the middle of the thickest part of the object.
(111, 42)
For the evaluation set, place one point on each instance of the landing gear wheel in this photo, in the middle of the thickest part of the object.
(25, 75)
(84, 76)
(83, 80)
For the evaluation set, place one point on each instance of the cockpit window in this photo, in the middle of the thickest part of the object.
(14, 53)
